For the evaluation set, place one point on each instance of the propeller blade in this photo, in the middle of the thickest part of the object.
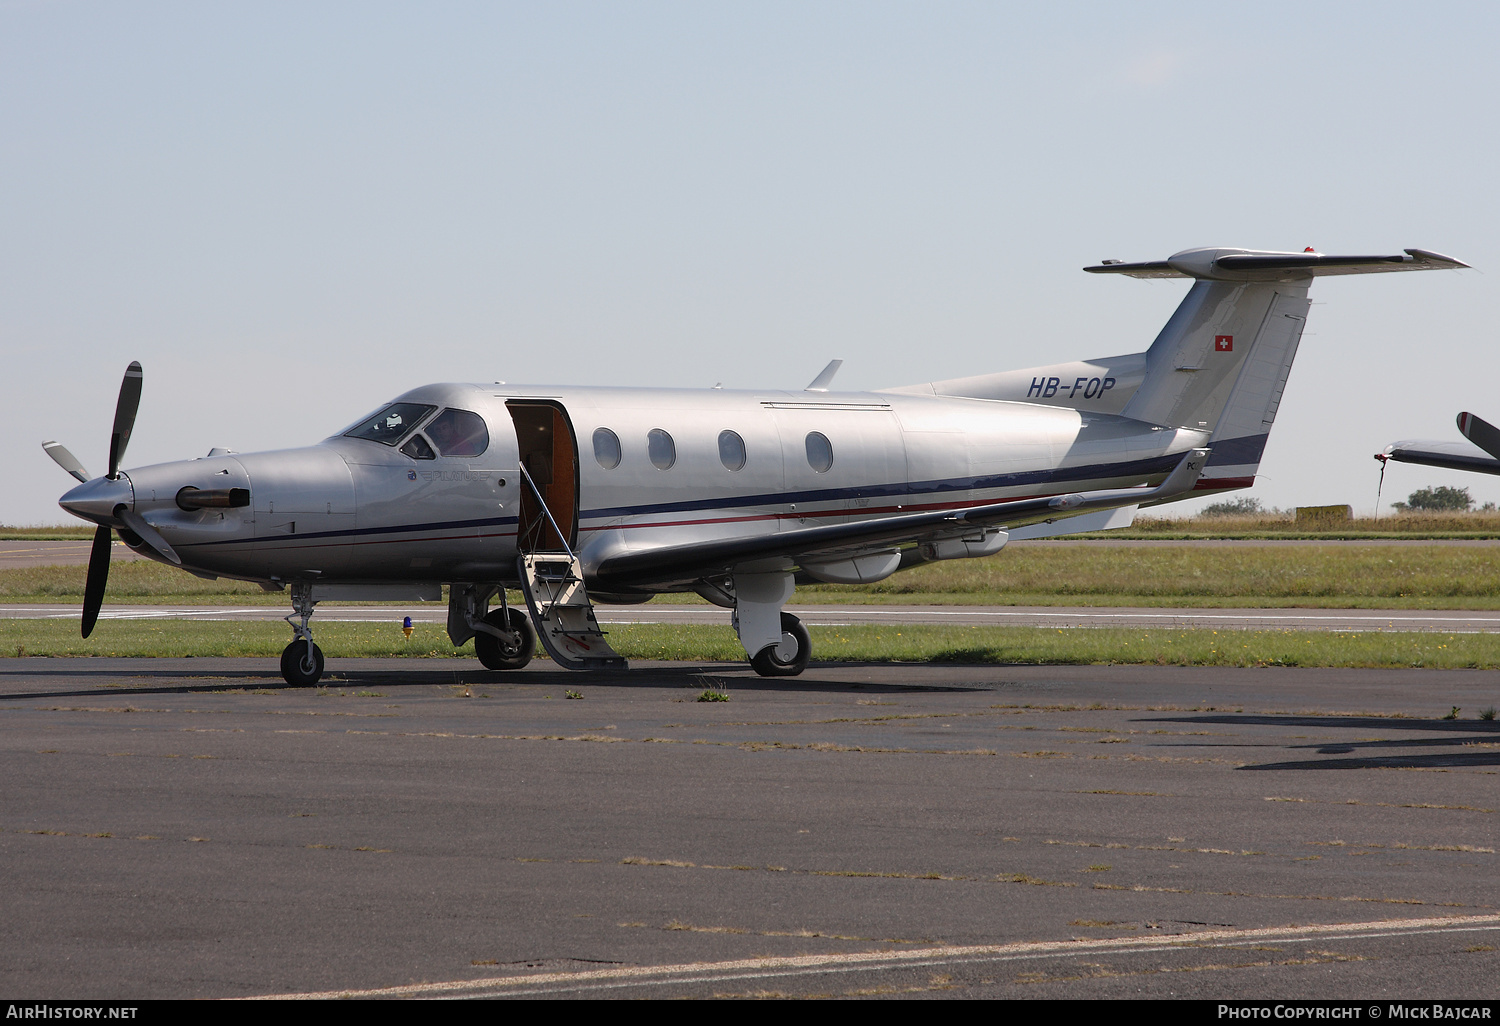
(65, 459)
(129, 402)
(1481, 432)
(93, 590)
(148, 534)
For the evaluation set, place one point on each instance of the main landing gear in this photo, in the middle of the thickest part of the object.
(775, 641)
(789, 656)
(503, 637)
(301, 661)
(512, 644)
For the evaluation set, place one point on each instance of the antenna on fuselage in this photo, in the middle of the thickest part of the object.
(823, 380)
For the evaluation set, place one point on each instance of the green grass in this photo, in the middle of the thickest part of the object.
(1284, 526)
(64, 532)
(860, 643)
(1355, 576)
(1372, 576)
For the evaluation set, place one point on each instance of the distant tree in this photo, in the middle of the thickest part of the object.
(1437, 500)
(1243, 506)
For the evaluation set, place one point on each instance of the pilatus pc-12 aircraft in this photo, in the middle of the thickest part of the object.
(617, 494)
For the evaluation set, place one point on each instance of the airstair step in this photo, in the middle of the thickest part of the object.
(562, 612)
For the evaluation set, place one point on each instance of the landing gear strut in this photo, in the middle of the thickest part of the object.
(301, 661)
(788, 657)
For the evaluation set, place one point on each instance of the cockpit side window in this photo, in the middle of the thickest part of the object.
(417, 448)
(391, 424)
(459, 433)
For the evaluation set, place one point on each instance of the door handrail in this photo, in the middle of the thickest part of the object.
(547, 512)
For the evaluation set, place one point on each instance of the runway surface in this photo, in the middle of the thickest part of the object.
(195, 828)
(1439, 620)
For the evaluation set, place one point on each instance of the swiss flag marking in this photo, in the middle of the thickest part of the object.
(1223, 343)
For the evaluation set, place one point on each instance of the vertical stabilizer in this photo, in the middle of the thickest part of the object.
(1240, 436)
(1195, 363)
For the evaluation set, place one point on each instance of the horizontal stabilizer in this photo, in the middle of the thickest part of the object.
(1218, 264)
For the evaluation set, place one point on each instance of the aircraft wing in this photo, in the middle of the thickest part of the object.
(1448, 455)
(676, 564)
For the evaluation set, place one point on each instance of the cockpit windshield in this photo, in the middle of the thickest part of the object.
(391, 424)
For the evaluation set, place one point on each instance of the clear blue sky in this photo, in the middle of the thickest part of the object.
(290, 212)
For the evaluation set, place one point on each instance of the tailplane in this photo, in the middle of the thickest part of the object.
(1221, 363)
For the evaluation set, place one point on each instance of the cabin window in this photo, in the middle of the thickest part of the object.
(819, 452)
(731, 450)
(391, 424)
(417, 448)
(606, 448)
(661, 449)
(459, 433)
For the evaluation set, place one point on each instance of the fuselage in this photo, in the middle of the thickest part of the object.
(620, 469)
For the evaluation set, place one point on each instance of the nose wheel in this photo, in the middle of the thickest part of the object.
(790, 656)
(301, 661)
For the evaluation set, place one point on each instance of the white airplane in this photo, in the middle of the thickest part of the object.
(618, 494)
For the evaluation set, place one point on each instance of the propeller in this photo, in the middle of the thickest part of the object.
(93, 588)
(98, 575)
(125, 407)
(63, 458)
(1481, 432)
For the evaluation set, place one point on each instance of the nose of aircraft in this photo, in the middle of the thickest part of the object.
(96, 500)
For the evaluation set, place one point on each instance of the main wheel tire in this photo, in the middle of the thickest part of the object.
(299, 667)
(788, 658)
(499, 655)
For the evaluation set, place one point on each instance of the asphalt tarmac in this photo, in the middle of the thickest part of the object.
(194, 828)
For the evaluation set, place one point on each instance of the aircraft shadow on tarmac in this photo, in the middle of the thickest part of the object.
(210, 679)
(1464, 733)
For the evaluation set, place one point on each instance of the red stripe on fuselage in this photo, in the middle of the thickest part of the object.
(921, 507)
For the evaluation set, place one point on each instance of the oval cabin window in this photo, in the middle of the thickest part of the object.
(731, 450)
(606, 448)
(661, 449)
(819, 452)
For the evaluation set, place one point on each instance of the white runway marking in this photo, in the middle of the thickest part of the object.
(865, 961)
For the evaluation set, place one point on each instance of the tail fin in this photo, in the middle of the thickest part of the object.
(1222, 361)
(1220, 365)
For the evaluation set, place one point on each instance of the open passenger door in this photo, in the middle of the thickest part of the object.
(547, 528)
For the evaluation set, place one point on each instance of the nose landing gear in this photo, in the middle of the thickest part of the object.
(301, 661)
